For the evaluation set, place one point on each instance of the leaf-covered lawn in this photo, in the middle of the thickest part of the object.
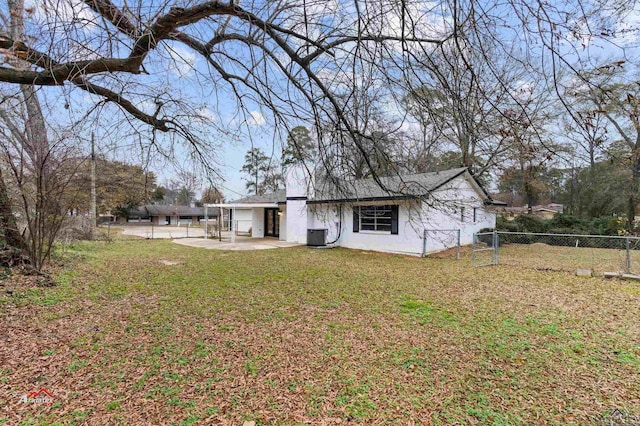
(559, 258)
(308, 336)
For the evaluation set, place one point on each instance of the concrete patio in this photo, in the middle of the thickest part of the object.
(241, 243)
(193, 237)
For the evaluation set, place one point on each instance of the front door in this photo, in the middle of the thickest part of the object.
(271, 223)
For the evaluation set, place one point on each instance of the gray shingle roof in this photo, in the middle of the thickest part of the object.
(406, 186)
(396, 187)
(280, 196)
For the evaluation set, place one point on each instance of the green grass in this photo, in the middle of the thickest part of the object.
(299, 335)
(559, 258)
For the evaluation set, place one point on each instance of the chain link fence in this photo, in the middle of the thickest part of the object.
(441, 243)
(559, 252)
(152, 231)
(205, 229)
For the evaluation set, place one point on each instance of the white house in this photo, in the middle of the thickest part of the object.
(416, 214)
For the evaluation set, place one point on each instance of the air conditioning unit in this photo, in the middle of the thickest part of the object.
(316, 237)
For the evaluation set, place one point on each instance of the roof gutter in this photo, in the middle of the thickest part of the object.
(490, 202)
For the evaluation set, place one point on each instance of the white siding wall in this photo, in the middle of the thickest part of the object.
(244, 219)
(296, 221)
(257, 222)
(283, 223)
(444, 211)
(407, 241)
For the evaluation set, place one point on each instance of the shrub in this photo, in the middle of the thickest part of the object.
(568, 224)
(503, 224)
(529, 223)
(608, 225)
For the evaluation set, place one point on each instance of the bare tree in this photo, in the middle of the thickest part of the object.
(526, 130)
(615, 94)
(39, 173)
(30, 159)
(458, 93)
(297, 61)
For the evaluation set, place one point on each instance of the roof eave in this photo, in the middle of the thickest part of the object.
(365, 199)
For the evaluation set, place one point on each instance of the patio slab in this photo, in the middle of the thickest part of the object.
(241, 243)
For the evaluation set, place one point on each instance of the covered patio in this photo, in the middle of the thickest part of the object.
(257, 219)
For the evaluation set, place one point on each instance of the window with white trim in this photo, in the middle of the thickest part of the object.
(376, 218)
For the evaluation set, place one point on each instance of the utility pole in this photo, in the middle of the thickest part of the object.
(93, 213)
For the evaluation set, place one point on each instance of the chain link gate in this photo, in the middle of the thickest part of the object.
(484, 249)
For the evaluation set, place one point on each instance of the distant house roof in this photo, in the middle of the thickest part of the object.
(158, 210)
(553, 208)
(138, 212)
(280, 196)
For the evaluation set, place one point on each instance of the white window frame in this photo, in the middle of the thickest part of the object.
(375, 224)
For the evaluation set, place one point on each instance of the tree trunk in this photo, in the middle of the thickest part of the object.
(40, 209)
(93, 213)
(632, 200)
(8, 224)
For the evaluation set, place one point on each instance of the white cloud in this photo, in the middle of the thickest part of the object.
(182, 61)
(58, 14)
(205, 115)
(256, 119)
(628, 30)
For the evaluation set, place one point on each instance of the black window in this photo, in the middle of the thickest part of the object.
(461, 214)
(376, 218)
(475, 215)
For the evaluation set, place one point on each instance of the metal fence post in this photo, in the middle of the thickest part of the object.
(458, 247)
(495, 247)
(628, 255)
(206, 221)
(152, 229)
(473, 248)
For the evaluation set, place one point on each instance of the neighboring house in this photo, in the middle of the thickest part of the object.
(363, 216)
(169, 215)
(544, 212)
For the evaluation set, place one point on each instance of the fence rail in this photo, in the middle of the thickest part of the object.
(566, 252)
